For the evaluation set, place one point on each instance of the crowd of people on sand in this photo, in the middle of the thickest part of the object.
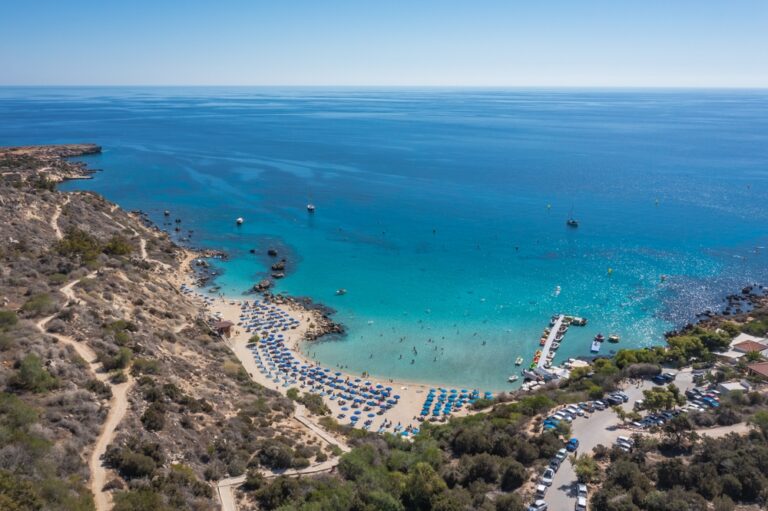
(359, 401)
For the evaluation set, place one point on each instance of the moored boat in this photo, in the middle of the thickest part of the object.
(239, 220)
(614, 338)
(513, 378)
(518, 361)
(311, 208)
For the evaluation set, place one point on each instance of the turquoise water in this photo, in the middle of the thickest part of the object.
(442, 212)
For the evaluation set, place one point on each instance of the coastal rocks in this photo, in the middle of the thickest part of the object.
(320, 323)
(278, 275)
(262, 285)
(279, 266)
(272, 252)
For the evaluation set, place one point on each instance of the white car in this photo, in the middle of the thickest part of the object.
(561, 454)
(581, 504)
(625, 440)
(539, 505)
(541, 490)
(547, 477)
(581, 490)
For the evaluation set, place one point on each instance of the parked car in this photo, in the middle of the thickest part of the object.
(581, 504)
(581, 490)
(547, 477)
(561, 455)
(625, 440)
(600, 405)
(622, 395)
(639, 404)
(539, 505)
(541, 490)
(572, 445)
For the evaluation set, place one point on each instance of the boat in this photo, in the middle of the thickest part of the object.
(518, 361)
(341, 291)
(239, 220)
(311, 208)
(513, 378)
(572, 222)
(166, 213)
(595, 346)
(599, 338)
(614, 338)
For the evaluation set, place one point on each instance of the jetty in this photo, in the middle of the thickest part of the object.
(550, 339)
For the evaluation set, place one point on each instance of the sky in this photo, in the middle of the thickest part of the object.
(493, 43)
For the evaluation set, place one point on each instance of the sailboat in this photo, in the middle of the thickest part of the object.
(572, 222)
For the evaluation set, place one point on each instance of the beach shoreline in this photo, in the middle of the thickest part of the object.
(228, 308)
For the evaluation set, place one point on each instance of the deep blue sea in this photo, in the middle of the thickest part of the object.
(442, 212)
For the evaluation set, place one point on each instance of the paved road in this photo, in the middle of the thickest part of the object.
(599, 428)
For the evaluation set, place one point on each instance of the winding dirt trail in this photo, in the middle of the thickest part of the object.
(225, 487)
(55, 219)
(118, 403)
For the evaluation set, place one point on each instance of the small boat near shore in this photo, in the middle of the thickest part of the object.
(239, 220)
(518, 361)
(614, 338)
(311, 208)
(597, 343)
(341, 291)
(513, 378)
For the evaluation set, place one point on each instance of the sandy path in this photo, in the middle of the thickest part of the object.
(118, 405)
(55, 219)
(225, 487)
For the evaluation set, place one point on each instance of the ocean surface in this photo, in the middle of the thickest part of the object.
(442, 212)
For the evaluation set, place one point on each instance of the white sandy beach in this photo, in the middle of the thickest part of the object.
(412, 395)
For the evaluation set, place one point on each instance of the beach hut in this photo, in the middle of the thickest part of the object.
(223, 328)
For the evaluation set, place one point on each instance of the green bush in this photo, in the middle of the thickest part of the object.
(78, 244)
(32, 376)
(38, 304)
(118, 246)
(8, 319)
(153, 417)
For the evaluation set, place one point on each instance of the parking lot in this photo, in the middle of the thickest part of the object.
(599, 426)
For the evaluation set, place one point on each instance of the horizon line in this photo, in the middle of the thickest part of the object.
(406, 86)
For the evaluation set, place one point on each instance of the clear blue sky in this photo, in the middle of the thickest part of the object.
(688, 43)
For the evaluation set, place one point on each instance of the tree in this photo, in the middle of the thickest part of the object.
(514, 476)
(423, 484)
(679, 432)
(760, 421)
(661, 398)
(586, 468)
(509, 502)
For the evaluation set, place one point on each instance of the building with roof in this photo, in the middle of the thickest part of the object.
(223, 328)
(743, 344)
(759, 370)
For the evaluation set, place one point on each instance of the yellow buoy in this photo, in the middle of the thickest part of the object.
(610, 271)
